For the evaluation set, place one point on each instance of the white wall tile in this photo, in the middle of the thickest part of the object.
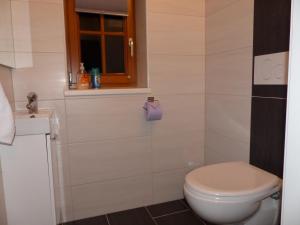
(111, 196)
(172, 23)
(182, 113)
(229, 37)
(221, 148)
(6, 32)
(177, 151)
(164, 38)
(229, 72)
(229, 116)
(21, 27)
(183, 74)
(106, 118)
(48, 33)
(212, 157)
(188, 7)
(61, 165)
(100, 161)
(185, 43)
(47, 78)
(212, 6)
(168, 186)
(63, 200)
(47, 1)
(230, 28)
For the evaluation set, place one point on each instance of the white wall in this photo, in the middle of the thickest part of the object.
(291, 184)
(229, 42)
(109, 158)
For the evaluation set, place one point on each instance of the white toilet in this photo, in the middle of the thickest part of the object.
(234, 193)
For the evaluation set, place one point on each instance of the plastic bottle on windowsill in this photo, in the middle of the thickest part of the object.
(96, 78)
(84, 78)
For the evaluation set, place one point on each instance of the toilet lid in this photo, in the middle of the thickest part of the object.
(231, 179)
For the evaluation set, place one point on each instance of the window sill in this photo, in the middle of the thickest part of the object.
(99, 92)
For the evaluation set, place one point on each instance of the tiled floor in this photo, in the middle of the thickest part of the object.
(170, 213)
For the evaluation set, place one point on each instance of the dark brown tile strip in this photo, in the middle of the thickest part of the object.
(137, 216)
(174, 212)
(100, 220)
(166, 208)
(184, 218)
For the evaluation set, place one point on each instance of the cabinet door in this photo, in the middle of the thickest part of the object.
(26, 181)
(7, 57)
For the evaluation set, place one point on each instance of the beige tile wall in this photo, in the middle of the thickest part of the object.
(229, 33)
(107, 156)
(176, 65)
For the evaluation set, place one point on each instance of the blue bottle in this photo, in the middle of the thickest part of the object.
(95, 75)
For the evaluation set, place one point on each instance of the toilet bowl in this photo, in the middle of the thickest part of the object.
(234, 193)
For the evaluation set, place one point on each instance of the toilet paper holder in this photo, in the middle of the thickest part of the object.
(152, 109)
(151, 99)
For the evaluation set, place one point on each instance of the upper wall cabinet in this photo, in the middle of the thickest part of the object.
(15, 34)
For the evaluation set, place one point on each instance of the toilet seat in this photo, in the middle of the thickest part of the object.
(233, 181)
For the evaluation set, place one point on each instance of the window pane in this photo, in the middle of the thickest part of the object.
(114, 23)
(89, 21)
(91, 52)
(115, 60)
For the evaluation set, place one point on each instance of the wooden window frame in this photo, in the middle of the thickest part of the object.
(73, 32)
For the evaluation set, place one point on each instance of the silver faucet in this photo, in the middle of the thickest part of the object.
(32, 105)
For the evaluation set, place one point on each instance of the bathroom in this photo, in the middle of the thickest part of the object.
(107, 157)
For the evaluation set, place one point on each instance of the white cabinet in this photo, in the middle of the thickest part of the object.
(28, 181)
(15, 34)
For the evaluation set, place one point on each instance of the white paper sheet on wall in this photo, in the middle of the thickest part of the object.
(271, 69)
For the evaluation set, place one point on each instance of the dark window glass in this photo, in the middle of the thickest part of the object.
(91, 52)
(115, 60)
(89, 21)
(114, 23)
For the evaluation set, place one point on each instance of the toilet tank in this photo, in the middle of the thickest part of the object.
(27, 179)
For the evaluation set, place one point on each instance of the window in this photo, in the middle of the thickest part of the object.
(103, 40)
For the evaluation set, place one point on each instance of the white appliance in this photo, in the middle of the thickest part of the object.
(27, 172)
(234, 193)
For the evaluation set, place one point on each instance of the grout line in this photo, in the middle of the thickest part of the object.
(221, 9)
(173, 213)
(111, 180)
(208, 93)
(179, 14)
(106, 216)
(186, 205)
(147, 210)
(177, 54)
(232, 51)
(278, 98)
(106, 140)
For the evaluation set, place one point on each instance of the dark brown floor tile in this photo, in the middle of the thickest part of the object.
(166, 208)
(100, 220)
(208, 223)
(185, 203)
(131, 217)
(184, 218)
